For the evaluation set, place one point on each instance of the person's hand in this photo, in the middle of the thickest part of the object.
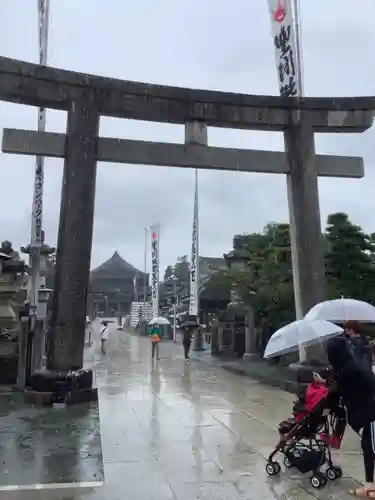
(318, 379)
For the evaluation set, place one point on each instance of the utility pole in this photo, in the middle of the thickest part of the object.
(37, 236)
(145, 272)
(174, 298)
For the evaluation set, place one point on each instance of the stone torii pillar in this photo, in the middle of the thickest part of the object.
(68, 323)
(304, 216)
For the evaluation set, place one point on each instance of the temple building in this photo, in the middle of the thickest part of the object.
(114, 285)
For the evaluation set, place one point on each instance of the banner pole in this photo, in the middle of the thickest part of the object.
(37, 237)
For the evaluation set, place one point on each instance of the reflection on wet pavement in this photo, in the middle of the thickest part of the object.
(182, 431)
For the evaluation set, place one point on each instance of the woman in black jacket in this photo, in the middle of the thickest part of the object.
(356, 385)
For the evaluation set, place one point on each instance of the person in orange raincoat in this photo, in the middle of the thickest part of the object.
(155, 337)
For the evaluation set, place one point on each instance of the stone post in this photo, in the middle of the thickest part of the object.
(67, 335)
(23, 352)
(40, 328)
(250, 337)
(215, 338)
(220, 335)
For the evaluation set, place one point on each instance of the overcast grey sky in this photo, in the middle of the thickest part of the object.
(214, 45)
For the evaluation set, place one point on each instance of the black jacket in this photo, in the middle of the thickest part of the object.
(355, 382)
(361, 350)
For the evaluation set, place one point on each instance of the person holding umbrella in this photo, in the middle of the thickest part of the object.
(155, 337)
(186, 340)
(356, 385)
(103, 336)
(350, 313)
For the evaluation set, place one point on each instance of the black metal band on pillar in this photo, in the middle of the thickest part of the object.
(65, 350)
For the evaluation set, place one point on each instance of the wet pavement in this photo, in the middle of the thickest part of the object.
(49, 446)
(176, 430)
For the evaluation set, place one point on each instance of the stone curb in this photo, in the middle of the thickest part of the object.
(279, 383)
(36, 398)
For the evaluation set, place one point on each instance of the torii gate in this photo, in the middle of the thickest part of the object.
(86, 97)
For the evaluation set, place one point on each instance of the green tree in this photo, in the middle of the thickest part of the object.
(265, 279)
(349, 259)
(168, 274)
(274, 298)
(181, 271)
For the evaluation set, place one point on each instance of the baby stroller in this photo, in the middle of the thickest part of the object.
(318, 424)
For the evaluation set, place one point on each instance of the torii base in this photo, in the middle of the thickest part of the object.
(53, 387)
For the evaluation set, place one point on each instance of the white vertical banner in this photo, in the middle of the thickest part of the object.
(37, 209)
(288, 54)
(285, 45)
(194, 263)
(155, 233)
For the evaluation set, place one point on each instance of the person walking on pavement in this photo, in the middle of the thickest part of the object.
(186, 341)
(356, 385)
(155, 337)
(104, 335)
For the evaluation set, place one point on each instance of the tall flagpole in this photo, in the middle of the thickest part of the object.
(196, 215)
(194, 267)
(145, 272)
(300, 93)
(286, 32)
(37, 236)
(155, 263)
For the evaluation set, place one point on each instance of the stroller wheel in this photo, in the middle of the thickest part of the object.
(273, 468)
(288, 464)
(333, 473)
(318, 481)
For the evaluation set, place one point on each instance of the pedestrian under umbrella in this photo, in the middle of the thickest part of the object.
(186, 340)
(356, 385)
(155, 337)
(104, 333)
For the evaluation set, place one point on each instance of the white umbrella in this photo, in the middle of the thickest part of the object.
(342, 310)
(305, 332)
(160, 320)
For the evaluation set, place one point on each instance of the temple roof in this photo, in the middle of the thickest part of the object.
(209, 264)
(115, 267)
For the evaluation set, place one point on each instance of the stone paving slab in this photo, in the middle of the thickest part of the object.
(40, 445)
(188, 431)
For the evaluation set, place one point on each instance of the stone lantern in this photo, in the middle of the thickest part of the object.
(7, 316)
(39, 325)
(236, 259)
(11, 272)
(45, 252)
(11, 269)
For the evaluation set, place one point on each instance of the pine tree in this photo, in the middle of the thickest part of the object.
(349, 259)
